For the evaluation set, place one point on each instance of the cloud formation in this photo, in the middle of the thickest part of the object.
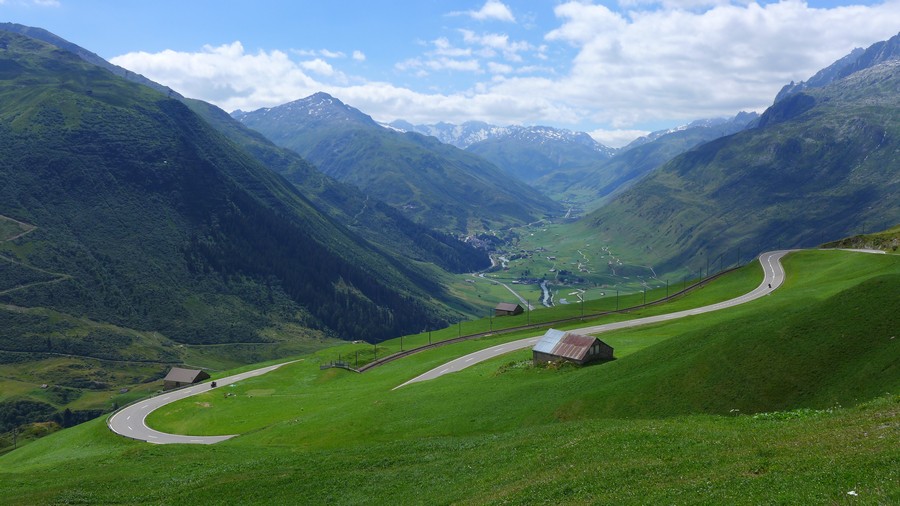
(596, 69)
(493, 10)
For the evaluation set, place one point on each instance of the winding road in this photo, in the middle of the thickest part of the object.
(131, 421)
(773, 277)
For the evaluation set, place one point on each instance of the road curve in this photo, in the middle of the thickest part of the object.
(130, 421)
(773, 277)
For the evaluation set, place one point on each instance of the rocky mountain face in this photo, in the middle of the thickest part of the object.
(858, 59)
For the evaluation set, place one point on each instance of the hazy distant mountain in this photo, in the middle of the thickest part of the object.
(528, 153)
(714, 126)
(595, 186)
(822, 162)
(435, 183)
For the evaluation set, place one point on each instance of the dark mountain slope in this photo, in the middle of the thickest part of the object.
(822, 162)
(435, 184)
(378, 222)
(163, 224)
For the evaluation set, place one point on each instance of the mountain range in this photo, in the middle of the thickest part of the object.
(435, 184)
(820, 161)
(596, 185)
(527, 152)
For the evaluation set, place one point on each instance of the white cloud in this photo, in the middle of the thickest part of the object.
(226, 75)
(650, 65)
(627, 70)
(499, 68)
(359, 56)
(319, 66)
(492, 10)
(491, 43)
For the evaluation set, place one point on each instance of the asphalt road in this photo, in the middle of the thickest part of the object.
(130, 421)
(773, 278)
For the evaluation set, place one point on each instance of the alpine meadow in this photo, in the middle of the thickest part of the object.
(477, 284)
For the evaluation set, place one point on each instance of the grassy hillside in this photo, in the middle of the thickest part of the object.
(371, 218)
(821, 163)
(736, 407)
(888, 241)
(134, 236)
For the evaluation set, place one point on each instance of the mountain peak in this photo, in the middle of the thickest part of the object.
(317, 108)
(858, 59)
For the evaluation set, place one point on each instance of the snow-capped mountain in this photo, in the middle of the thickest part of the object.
(527, 152)
(723, 126)
(473, 132)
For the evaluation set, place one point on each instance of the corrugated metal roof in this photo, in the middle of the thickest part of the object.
(549, 341)
(574, 346)
(564, 344)
(506, 306)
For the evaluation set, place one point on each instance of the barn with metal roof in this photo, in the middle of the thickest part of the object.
(179, 377)
(558, 345)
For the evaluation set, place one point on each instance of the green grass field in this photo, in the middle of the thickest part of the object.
(789, 399)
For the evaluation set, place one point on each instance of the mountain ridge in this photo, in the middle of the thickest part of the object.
(819, 163)
(434, 183)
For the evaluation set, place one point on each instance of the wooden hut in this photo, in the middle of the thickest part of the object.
(179, 377)
(558, 345)
(508, 309)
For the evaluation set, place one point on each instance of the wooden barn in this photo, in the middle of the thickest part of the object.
(508, 309)
(179, 377)
(558, 345)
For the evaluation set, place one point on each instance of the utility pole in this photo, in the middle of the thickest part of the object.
(617, 299)
(667, 288)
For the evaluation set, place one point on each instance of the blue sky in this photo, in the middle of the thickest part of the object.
(616, 69)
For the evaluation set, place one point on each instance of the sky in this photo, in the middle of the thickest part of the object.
(614, 69)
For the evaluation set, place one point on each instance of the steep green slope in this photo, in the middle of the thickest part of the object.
(371, 218)
(820, 163)
(435, 184)
(162, 224)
